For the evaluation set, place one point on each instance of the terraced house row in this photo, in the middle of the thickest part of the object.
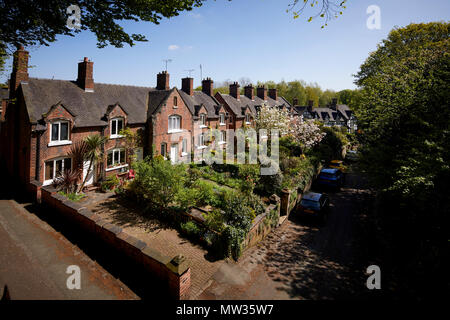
(43, 118)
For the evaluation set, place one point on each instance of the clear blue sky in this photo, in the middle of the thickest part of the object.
(242, 38)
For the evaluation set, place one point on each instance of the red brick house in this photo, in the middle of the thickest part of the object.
(243, 108)
(43, 119)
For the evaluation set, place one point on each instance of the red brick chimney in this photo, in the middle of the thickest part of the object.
(86, 75)
(249, 92)
(234, 90)
(207, 86)
(187, 85)
(310, 105)
(273, 93)
(162, 81)
(261, 92)
(334, 103)
(20, 70)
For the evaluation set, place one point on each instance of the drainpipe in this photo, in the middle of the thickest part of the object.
(38, 155)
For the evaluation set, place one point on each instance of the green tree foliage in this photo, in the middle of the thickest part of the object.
(404, 114)
(158, 181)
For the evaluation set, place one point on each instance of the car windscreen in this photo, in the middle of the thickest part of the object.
(328, 175)
(310, 204)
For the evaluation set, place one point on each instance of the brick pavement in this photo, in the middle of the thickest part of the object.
(162, 238)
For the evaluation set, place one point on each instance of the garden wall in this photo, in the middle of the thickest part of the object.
(262, 225)
(173, 272)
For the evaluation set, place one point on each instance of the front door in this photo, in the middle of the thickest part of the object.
(90, 179)
(174, 153)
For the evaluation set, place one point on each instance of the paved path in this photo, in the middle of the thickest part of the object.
(301, 260)
(34, 259)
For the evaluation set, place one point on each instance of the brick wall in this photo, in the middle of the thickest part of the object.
(176, 276)
(158, 131)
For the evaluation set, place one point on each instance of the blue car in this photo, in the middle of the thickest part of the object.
(314, 205)
(330, 177)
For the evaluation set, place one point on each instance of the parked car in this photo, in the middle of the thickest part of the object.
(338, 164)
(352, 155)
(330, 177)
(314, 205)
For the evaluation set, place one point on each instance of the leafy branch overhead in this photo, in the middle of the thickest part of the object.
(30, 22)
(329, 9)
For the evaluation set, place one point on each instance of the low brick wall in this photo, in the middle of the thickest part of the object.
(262, 226)
(289, 198)
(174, 272)
(34, 189)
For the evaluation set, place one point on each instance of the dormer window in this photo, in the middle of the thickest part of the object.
(59, 134)
(174, 124)
(222, 119)
(116, 126)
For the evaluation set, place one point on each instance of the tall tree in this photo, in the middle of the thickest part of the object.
(404, 117)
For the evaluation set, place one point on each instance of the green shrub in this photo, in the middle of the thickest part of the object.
(270, 184)
(110, 183)
(73, 196)
(191, 229)
(214, 220)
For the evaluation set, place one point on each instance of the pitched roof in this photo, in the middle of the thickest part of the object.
(238, 105)
(89, 108)
(155, 99)
(200, 98)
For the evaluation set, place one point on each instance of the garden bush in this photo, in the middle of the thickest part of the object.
(191, 229)
(110, 183)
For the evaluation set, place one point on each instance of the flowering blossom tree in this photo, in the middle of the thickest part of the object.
(306, 132)
(270, 118)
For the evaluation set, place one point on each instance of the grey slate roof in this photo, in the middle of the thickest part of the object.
(155, 99)
(88, 107)
(238, 105)
(200, 98)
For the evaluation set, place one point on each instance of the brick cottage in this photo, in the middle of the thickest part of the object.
(43, 119)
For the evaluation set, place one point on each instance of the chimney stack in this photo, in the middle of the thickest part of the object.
(234, 90)
(187, 85)
(295, 102)
(261, 92)
(85, 75)
(334, 103)
(20, 70)
(162, 81)
(273, 93)
(249, 92)
(207, 86)
(310, 105)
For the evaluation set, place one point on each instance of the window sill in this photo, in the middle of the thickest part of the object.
(222, 124)
(248, 122)
(59, 143)
(202, 126)
(183, 154)
(202, 147)
(115, 136)
(221, 142)
(175, 131)
(116, 167)
(47, 182)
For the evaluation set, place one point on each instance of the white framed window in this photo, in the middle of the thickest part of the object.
(223, 137)
(247, 118)
(116, 125)
(116, 158)
(184, 147)
(222, 119)
(59, 133)
(174, 124)
(202, 120)
(55, 167)
(163, 149)
(201, 140)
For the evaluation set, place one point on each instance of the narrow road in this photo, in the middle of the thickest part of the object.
(302, 260)
(34, 259)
